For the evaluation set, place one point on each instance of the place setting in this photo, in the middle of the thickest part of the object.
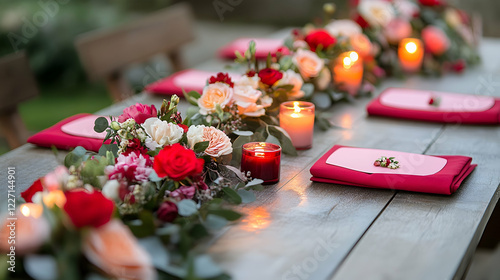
(206, 159)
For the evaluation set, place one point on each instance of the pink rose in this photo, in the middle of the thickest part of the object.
(396, 30)
(114, 249)
(183, 192)
(139, 112)
(435, 40)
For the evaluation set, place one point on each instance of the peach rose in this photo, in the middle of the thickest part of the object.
(248, 81)
(114, 249)
(308, 63)
(361, 44)
(213, 94)
(343, 27)
(220, 144)
(246, 93)
(255, 109)
(247, 98)
(435, 40)
(23, 229)
(396, 30)
(290, 77)
(324, 79)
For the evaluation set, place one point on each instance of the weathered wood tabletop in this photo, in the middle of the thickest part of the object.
(302, 230)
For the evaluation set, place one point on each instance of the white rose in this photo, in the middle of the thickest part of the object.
(161, 133)
(246, 94)
(406, 9)
(308, 63)
(213, 94)
(290, 77)
(195, 135)
(248, 81)
(110, 189)
(377, 13)
(343, 27)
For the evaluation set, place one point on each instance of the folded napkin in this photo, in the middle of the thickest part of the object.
(263, 46)
(419, 173)
(189, 80)
(69, 133)
(436, 106)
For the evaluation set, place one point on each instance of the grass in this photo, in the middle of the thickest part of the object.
(56, 103)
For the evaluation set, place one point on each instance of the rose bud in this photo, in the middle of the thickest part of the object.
(167, 211)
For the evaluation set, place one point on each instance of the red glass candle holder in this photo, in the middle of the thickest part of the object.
(262, 160)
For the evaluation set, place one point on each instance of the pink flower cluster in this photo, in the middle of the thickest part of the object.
(133, 167)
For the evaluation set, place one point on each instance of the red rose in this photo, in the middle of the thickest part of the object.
(270, 76)
(167, 211)
(360, 20)
(458, 66)
(251, 73)
(177, 163)
(88, 209)
(183, 126)
(318, 38)
(30, 192)
(221, 78)
(431, 2)
(139, 112)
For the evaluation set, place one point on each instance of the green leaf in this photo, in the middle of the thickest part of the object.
(100, 124)
(271, 139)
(246, 196)
(192, 97)
(231, 195)
(187, 207)
(205, 267)
(144, 226)
(201, 146)
(237, 147)
(323, 123)
(215, 222)
(286, 143)
(228, 214)
(254, 182)
(75, 157)
(105, 148)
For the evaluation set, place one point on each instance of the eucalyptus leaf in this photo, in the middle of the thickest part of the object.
(286, 144)
(153, 177)
(254, 182)
(231, 195)
(228, 214)
(215, 222)
(41, 267)
(308, 89)
(75, 157)
(246, 196)
(157, 250)
(205, 267)
(192, 97)
(100, 124)
(271, 139)
(322, 100)
(113, 148)
(243, 133)
(187, 207)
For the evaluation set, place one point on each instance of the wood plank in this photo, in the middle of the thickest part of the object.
(423, 236)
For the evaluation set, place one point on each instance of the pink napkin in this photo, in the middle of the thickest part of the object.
(419, 173)
(263, 46)
(189, 80)
(69, 133)
(453, 107)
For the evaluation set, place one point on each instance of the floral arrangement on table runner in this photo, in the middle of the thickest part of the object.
(136, 210)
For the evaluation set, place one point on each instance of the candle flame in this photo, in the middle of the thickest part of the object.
(354, 56)
(347, 62)
(259, 151)
(411, 47)
(25, 210)
(296, 109)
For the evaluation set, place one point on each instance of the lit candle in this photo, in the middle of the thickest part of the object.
(410, 54)
(262, 160)
(31, 210)
(348, 72)
(297, 119)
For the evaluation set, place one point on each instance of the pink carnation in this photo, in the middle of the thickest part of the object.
(133, 167)
(183, 193)
(139, 112)
(435, 40)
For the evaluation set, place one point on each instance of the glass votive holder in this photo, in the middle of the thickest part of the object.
(297, 119)
(262, 160)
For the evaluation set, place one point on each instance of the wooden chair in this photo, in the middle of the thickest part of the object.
(17, 84)
(106, 54)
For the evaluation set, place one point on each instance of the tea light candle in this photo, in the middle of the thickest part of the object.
(348, 72)
(411, 54)
(31, 210)
(262, 160)
(297, 119)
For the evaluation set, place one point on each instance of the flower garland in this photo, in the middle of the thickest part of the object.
(160, 185)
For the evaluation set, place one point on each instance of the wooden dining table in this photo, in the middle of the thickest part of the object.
(297, 229)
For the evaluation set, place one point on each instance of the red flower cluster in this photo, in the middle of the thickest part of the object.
(432, 3)
(270, 76)
(251, 73)
(88, 209)
(135, 146)
(318, 38)
(177, 163)
(30, 192)
(221, 78)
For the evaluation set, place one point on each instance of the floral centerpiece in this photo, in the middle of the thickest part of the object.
(136, 210)
(450, 36)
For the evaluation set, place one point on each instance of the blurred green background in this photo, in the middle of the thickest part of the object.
(63, 84)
